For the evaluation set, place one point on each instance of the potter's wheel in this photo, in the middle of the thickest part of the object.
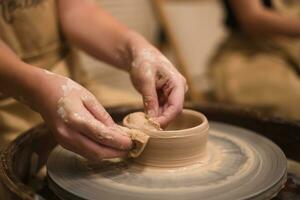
(239, 164)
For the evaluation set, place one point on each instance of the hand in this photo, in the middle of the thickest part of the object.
(78, 121)
(163, 88)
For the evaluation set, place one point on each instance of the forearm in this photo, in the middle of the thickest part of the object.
(17, 79)
(96, 32)
(269, 22)
(255, 19)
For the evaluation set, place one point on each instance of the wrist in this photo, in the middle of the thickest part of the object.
(50, 88)
(38, 86)
(32, 86)
(135, 42)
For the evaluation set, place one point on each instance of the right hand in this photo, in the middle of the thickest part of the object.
(78, 121)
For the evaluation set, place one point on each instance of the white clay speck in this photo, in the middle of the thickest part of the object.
(48, 72)
(69, 87)
(149, 55)
(62, 113)
(145, 55)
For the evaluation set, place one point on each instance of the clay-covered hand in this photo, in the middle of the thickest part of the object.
(78, 120)
(163, 88)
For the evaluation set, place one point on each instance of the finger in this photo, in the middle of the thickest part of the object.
(80, 119)
(173, 107)
(83, 146)
(150, 98)
(97, 110)
(112, 137)
(164, 93)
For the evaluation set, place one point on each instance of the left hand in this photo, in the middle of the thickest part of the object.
(163, 88)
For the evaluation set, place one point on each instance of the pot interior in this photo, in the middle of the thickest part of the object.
(185, 120)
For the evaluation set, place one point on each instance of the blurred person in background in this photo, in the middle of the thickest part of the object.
(37, 56)
(258, 64)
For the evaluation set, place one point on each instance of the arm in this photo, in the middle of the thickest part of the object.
(78, 121)
(16, 76)
(95, 31)
(100, 35)
(255, 19)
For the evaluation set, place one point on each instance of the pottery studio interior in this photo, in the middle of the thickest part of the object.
(149, 99)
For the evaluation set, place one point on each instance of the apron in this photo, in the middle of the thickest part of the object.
(31, 29)
(262, 73)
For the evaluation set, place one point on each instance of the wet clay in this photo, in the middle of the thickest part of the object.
(183, 142)
(139, 140)
(140, 121)
(237, 164)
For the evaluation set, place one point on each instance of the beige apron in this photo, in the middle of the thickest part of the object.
(31, 29)
(261, 72)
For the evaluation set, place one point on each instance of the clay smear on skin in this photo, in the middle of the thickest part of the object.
(64, 104)
(48, 72)
(67, 88)
(61, 111)
(147, 60)
(150, 58)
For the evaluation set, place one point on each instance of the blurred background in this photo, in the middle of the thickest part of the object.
(226, 54)
(180, 29)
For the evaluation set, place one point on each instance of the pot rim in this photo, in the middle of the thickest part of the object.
(201, 128)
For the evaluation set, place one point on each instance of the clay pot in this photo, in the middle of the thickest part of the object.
(236, 164)
(182, 143)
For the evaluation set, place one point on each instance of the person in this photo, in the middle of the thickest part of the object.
(257, 65)
(39, 35)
